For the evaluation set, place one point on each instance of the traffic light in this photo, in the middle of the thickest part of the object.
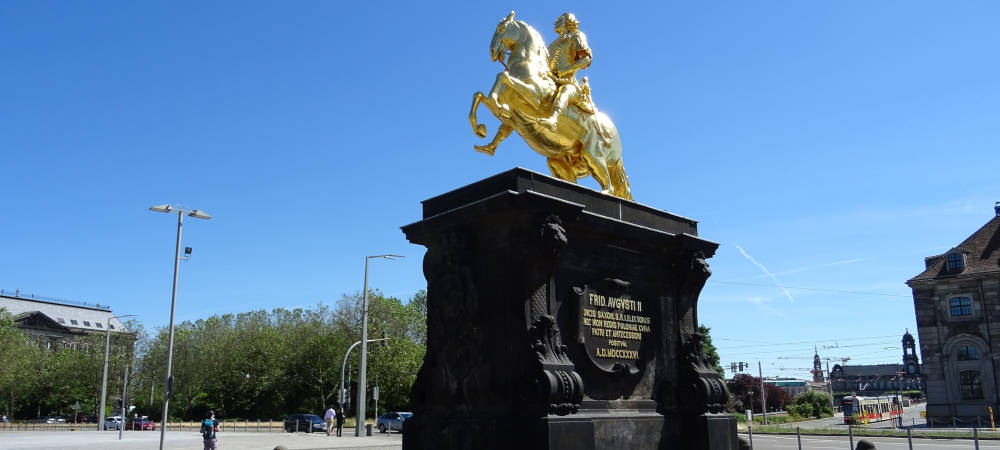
(385, 339)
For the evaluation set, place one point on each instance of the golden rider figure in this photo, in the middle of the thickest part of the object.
(568, 54)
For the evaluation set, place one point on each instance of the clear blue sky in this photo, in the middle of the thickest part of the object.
(835, 143)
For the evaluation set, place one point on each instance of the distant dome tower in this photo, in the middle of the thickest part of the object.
(817, 368)
(910, 362)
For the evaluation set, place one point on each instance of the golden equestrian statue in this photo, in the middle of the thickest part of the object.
(539, 96)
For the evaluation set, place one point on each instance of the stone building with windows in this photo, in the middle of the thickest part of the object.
(53, 322)
(957, 303)
(878, 379)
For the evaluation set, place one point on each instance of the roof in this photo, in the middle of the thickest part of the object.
(871, 370)
(63, 314)
(982, 254)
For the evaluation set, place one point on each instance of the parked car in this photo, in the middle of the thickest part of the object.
(113, 423)
(140, 424)
(4, 418)
(304, 422)
(392, 421)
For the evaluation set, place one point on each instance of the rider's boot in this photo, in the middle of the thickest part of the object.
(562, 100)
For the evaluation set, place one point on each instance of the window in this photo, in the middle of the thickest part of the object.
(968, 353)
(86, 324)
(972, 387)
(111, 325)
(98, 324)
(73, 321)
(911, 369)
(956, 262)
(60, 320)
(961, 306)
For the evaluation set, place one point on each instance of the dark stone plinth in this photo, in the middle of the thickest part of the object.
(559, 317)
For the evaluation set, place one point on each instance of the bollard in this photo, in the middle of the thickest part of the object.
(297, 424)
(979, 422)
(953, 424)
(245, 425)
(798, 434)
(750, 432)
(258, 425)
(269, 426)
(975, 436)
(368, 429)
(850, 435)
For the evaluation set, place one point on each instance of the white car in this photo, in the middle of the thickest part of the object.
(113, 423)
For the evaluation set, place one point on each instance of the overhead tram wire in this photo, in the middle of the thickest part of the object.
(732, 355)
(838, 291)
(815, 341)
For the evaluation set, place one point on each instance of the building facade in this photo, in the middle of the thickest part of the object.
(793, 386)
(878, 379)
(957, 303)
(53, 322)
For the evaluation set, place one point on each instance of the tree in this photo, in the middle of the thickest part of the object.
(812, 404)
(17, 354)
(710, 351)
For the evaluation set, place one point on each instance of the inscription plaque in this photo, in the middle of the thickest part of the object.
(611, 328)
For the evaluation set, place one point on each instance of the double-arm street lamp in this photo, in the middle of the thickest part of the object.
(169, 381)
(104, 381)
(362, 372)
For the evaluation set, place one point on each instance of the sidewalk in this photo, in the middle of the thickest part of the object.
(177, 440)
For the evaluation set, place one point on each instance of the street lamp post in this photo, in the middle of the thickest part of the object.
(168, 381)
(131, 357)
(360, 422)
(104, 380)
(340, 395)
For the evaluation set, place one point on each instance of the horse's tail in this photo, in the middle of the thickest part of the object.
(619, 180)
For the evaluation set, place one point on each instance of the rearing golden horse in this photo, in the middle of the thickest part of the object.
(582, 144)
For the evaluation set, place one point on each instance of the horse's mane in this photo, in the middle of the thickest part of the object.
(537, 50)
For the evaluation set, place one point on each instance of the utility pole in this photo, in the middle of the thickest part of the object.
(763, 396)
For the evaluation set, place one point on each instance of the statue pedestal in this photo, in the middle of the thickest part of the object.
(559, 317)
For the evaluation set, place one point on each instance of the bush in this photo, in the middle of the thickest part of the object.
(812, 404)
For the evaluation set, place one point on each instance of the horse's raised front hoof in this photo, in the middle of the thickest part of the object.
(481, 131)
(485, 149)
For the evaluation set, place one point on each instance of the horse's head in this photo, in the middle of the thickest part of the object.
(507, 35)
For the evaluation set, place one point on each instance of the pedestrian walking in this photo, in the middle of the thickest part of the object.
(209, 427)
(340, 423)
(329, 418)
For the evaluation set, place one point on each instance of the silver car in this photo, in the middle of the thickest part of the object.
(392, 421)
(113, 423)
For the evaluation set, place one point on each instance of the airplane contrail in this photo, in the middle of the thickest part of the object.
(767, 272)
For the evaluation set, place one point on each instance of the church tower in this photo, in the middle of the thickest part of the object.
(910, 363)
(818, 368)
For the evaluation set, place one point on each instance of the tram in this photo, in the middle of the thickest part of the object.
(874, 409)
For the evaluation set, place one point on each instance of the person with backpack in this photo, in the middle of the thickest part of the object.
(208, 429)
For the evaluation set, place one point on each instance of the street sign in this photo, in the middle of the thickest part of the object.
(375, 393)
(76, 405)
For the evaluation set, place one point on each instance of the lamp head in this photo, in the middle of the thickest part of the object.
(199, 214)
(162, 208)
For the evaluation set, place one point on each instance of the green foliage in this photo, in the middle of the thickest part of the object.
(814, 404)
(42, 377)
(710, 351)
(265, 365)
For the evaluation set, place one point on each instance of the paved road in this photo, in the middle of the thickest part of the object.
(784, 442)
(176, 440)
